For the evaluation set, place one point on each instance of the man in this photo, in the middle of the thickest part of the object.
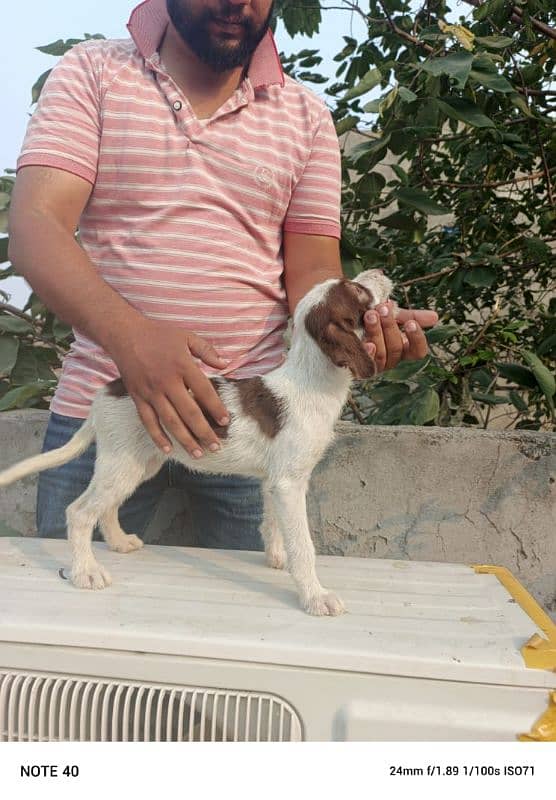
(206, 187)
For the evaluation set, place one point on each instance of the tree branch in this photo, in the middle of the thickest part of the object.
(517, 16)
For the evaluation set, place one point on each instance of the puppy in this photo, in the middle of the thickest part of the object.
(281, 424)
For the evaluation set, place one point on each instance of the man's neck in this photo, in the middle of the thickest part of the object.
(205, 88)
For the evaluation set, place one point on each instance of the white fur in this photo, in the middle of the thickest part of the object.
(313, 391)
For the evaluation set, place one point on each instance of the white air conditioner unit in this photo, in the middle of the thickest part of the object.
(193, 644)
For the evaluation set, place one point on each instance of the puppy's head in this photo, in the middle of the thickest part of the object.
(332, 313)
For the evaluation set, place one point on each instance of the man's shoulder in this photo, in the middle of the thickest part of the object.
(296, 89)
(299, 97)
(103, 49)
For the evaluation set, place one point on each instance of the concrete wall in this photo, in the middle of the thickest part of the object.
(433, 494)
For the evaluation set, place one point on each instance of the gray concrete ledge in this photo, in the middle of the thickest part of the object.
(426, 494)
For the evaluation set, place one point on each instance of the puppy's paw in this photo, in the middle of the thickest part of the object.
(126, 544)
(276, 558)
(325, 604)
(91, 576)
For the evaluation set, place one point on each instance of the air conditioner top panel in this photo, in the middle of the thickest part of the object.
(417, 619)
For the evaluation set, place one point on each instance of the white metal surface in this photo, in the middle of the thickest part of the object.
(420, 620)
(57, 708)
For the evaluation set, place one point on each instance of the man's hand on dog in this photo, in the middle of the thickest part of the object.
(392, 338)
(157, 364)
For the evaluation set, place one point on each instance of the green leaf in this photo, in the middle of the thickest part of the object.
(465, 111)
(486, 73)
(370, 186)
(38, 86)
(518, 401)
(415, 198)
(456, 65)
(9, 348)
(494, 42)
(372, 107)
(31, 366)
(520, 102)
(402, 222)
(388, 100)
(442, 333)
(489, 399)
(369, 147)
(400, 173)
(59, 47)
(60, 330)
(544, 377)
(346, 124)
(3, 248)
(390, 393)
(21, 395)
(371, 79)
(424, 407)
(407, 95)
(480, 277)
(547, 345)
(405, 370)
(16, 325)
(517, 374)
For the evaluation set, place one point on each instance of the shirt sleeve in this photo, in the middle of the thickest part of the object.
(64, 131)
(315, 203)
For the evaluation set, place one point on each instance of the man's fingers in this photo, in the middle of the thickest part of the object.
(206, 395)
(392, 335)
(375, 338)
(189, 412)
(176, 422)
(423, 317)
(417, 346)
(200, 348)
(150, 420)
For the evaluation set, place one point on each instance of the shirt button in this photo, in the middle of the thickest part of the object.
(177, 105)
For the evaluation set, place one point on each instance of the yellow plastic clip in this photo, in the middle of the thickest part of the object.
(544, 729)
(538, 653)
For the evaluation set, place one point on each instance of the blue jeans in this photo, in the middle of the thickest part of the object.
(219, 511)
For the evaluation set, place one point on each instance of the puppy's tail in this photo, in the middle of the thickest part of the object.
(54, 458)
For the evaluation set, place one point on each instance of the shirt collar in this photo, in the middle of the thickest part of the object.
(149, 20)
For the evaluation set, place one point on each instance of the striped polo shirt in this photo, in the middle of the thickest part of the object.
(186, 216)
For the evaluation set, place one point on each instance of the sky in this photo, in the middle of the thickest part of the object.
(27, 25)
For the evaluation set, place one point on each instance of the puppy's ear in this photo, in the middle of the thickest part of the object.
(345, 349)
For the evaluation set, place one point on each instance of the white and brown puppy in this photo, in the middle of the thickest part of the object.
(280, 426)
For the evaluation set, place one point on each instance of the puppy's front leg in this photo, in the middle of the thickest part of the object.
(273, 543)
(288, 500)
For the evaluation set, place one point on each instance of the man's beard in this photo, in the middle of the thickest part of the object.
(217, 53)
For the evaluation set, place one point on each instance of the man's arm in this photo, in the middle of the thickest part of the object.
(154, 359)
(308, 260)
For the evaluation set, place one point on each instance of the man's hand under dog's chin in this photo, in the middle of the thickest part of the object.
(391, 337)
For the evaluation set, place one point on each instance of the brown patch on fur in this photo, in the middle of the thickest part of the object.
(257, 401)
(117, 388)
(332, 325)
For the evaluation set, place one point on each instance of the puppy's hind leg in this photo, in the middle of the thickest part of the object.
(113, 481)
(116, 538)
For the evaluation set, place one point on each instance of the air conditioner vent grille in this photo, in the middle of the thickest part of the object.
(50, 707)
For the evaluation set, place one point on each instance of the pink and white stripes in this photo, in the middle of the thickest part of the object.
(186, 216)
